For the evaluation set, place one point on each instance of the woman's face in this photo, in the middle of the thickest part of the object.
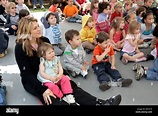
(35, 30)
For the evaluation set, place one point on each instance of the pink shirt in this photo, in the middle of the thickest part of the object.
(127, 46)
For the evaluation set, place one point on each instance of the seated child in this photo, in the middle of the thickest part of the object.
(130, 50)
(53, 33)
(88, 33)
(12, 19)
(4, 41)
(74, 55)
(51, 74)
(71, 13)
(152, 72)
(103, 63)
(103, 23)
(117, 33)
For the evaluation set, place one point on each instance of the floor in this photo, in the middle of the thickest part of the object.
(143, 92)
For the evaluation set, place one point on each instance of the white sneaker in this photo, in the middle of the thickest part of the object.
(42, 7)
(70, 99)
(78, 21)
(34, 7)
(84, 73)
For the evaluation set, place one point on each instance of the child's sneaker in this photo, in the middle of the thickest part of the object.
(84, 73)
(70, 99)
(104, 86)
(2, 55)
(135, 66)
(125, 61)
(78, 21)
(140, 72)
(124, 82)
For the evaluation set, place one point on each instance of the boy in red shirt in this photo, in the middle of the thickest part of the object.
(103, 62)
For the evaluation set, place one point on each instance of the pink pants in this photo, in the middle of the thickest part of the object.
(65, 86)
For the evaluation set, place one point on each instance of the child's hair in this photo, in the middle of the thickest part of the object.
(140, 9)
(118, 4)
(101, 37)
(50, 14)
(56, 2)
(129, 2)
(155, 32)
(132, 26)
(145, 15)
(70, 34)
(23, 13)
(92, 5)
(102, 6)
(9, 5)
(128, 16)
(116, 22)
(41, 52)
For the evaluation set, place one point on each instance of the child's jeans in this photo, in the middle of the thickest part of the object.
(102, 68)
(3, 95)
(152, 73)
(73, 19)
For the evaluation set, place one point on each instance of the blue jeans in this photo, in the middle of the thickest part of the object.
(73, 19)
(102, 68)
(3, 95)
(34, 2)
(152, 73)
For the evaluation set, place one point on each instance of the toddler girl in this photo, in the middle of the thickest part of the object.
(117, 33)
(51, 74)
(130, 51)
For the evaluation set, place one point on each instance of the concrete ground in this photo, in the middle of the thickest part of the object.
(143, 92)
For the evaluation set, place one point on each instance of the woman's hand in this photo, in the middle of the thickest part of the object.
(46, 96)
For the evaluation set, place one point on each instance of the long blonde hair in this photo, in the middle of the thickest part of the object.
(24, 34)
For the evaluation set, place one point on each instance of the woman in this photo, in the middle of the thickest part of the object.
(28, 39)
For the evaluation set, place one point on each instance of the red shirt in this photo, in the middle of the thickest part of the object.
(113, 15)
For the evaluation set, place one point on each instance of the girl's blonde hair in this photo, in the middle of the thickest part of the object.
(9, 5)
(43, 48)
(132, 26)
(116, 22)
(24, 34)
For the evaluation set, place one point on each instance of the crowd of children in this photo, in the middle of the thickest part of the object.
(106, 27)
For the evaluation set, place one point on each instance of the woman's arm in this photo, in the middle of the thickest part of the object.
(29, 78)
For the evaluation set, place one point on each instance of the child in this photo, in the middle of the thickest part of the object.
(3, 4)
(152, 72)
(130, 51)
(51, 74)
(112, 4)
(103, 23)
(20, 5)
(24, 13)
(94, 9)
(103, 62)
(117, 33)
(3, 100)
(88, 33)
(140, 12)
(4, 41)
(54, 9)
(12, 19)
(118, 11)
(127, 8)
(53, 33)
(147, 28)
(71, 12)
(131, 16)
(74, 55)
